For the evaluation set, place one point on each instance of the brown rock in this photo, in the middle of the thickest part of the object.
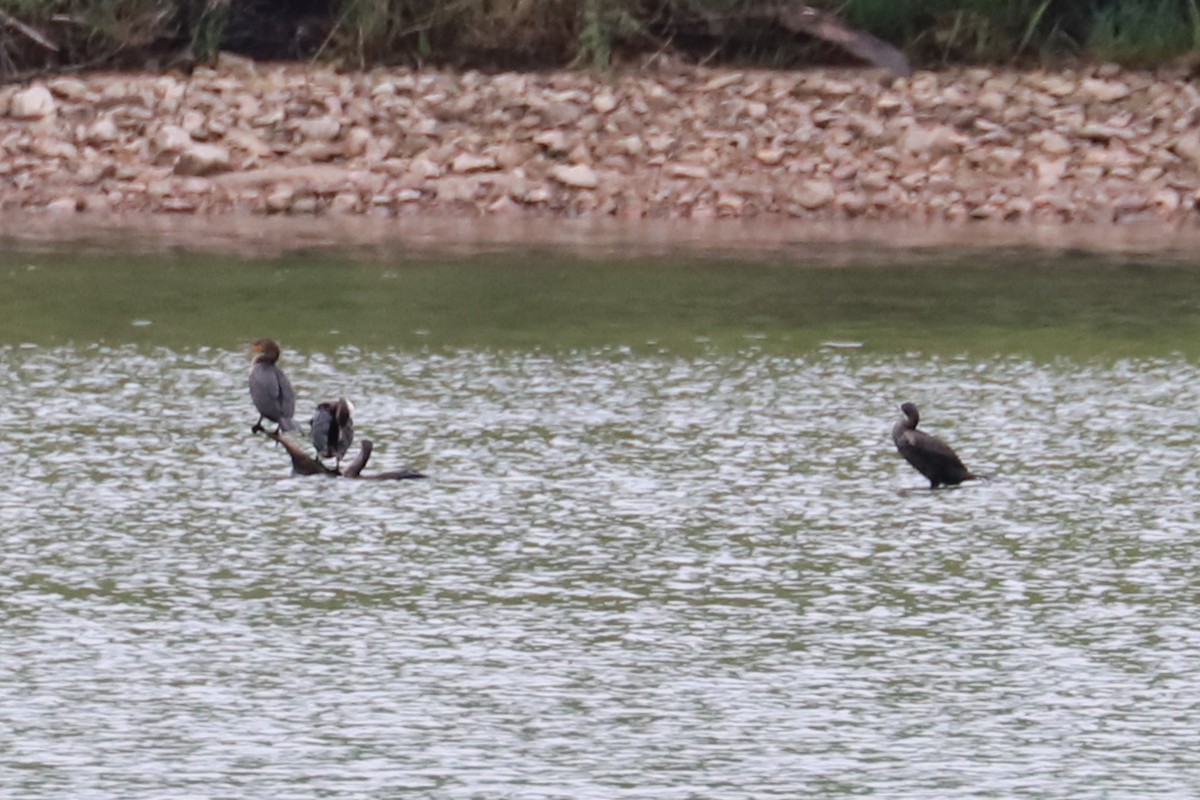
(469, 162)
(578, 176)
(172, 139)
(1052, 142)
(203, 159)
(36, 102)
(279, 199)
(813, 194)
(1188, 146)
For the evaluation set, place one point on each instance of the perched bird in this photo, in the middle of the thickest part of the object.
(270, 389)
(929, 455)
(333, 429)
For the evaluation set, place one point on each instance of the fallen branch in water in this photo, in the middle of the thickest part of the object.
(304, 464)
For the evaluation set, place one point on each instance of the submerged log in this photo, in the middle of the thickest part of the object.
(304, 464)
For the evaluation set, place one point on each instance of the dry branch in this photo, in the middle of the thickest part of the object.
(823, 25)
(13, 22)
(304, 464)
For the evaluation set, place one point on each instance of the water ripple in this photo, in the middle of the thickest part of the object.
(629, 576)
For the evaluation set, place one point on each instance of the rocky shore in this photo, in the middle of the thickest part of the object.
(673, 142)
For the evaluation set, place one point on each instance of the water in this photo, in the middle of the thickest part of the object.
(667, 549)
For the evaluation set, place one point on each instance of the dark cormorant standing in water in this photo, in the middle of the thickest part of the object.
(931, 457)
(333, 429)
(270, 389)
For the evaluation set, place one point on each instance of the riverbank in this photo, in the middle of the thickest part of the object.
(673, 142)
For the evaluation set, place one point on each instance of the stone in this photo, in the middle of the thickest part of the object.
(813, 194)
(63, 205)
(172, 139)
(1103, 91)
(603, 103)
(320, 129)
(102, 131)
(692, 171)
(469, 162)
(577, 176)
(203, 159)
(71, 89)
(1053, 143)
(554, 141)
(247, 141)
(424, 168)
(1187, 146)
(279, 199)
(922, 141)
(1049, 171)
(356, 142)
(771, 156)
(36, 102)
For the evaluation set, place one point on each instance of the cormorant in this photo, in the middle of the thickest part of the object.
(929, 455)
(270, 389)
(333, 429)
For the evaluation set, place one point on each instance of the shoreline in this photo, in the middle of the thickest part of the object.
(976, 148)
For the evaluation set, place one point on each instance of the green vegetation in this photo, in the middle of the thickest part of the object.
(40, 34)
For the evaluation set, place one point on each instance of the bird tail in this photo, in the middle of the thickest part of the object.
(288, 424)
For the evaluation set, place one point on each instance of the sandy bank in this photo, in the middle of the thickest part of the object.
(1100, 146)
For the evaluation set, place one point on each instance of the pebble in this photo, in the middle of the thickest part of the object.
(689, 142)
(35, 102)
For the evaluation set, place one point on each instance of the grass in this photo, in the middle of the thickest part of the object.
(585, 33)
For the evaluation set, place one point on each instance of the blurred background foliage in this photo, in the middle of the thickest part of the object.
(508, 34)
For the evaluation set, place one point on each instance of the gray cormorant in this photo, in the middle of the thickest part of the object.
(270, 389)
(333, 429)
(929, 455)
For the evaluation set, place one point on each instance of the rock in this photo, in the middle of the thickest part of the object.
(692, 171)
(771, 156)
(578, 176)
(1053, 143)
(457, 189)
(424, 168)
(511, 156)
(36, 102)
(604, 103)
(1053, 85)
(1188, 146)
(71, 89)
(279, 199)
(344, 203)
(321, 129)
(1166, 199)
(203, 159)
(1049, 171)
(468, 162)
(922, 141)
(554, 141)
(54, 148)
(102, 131)
(172, 139)
(318, 151)
(1103, 91)
(813, 194)
(247, 141)
(356, 142)
(63, 205)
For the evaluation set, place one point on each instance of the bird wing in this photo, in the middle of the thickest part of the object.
(264, 389)
(929, 455)
(287, 397)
